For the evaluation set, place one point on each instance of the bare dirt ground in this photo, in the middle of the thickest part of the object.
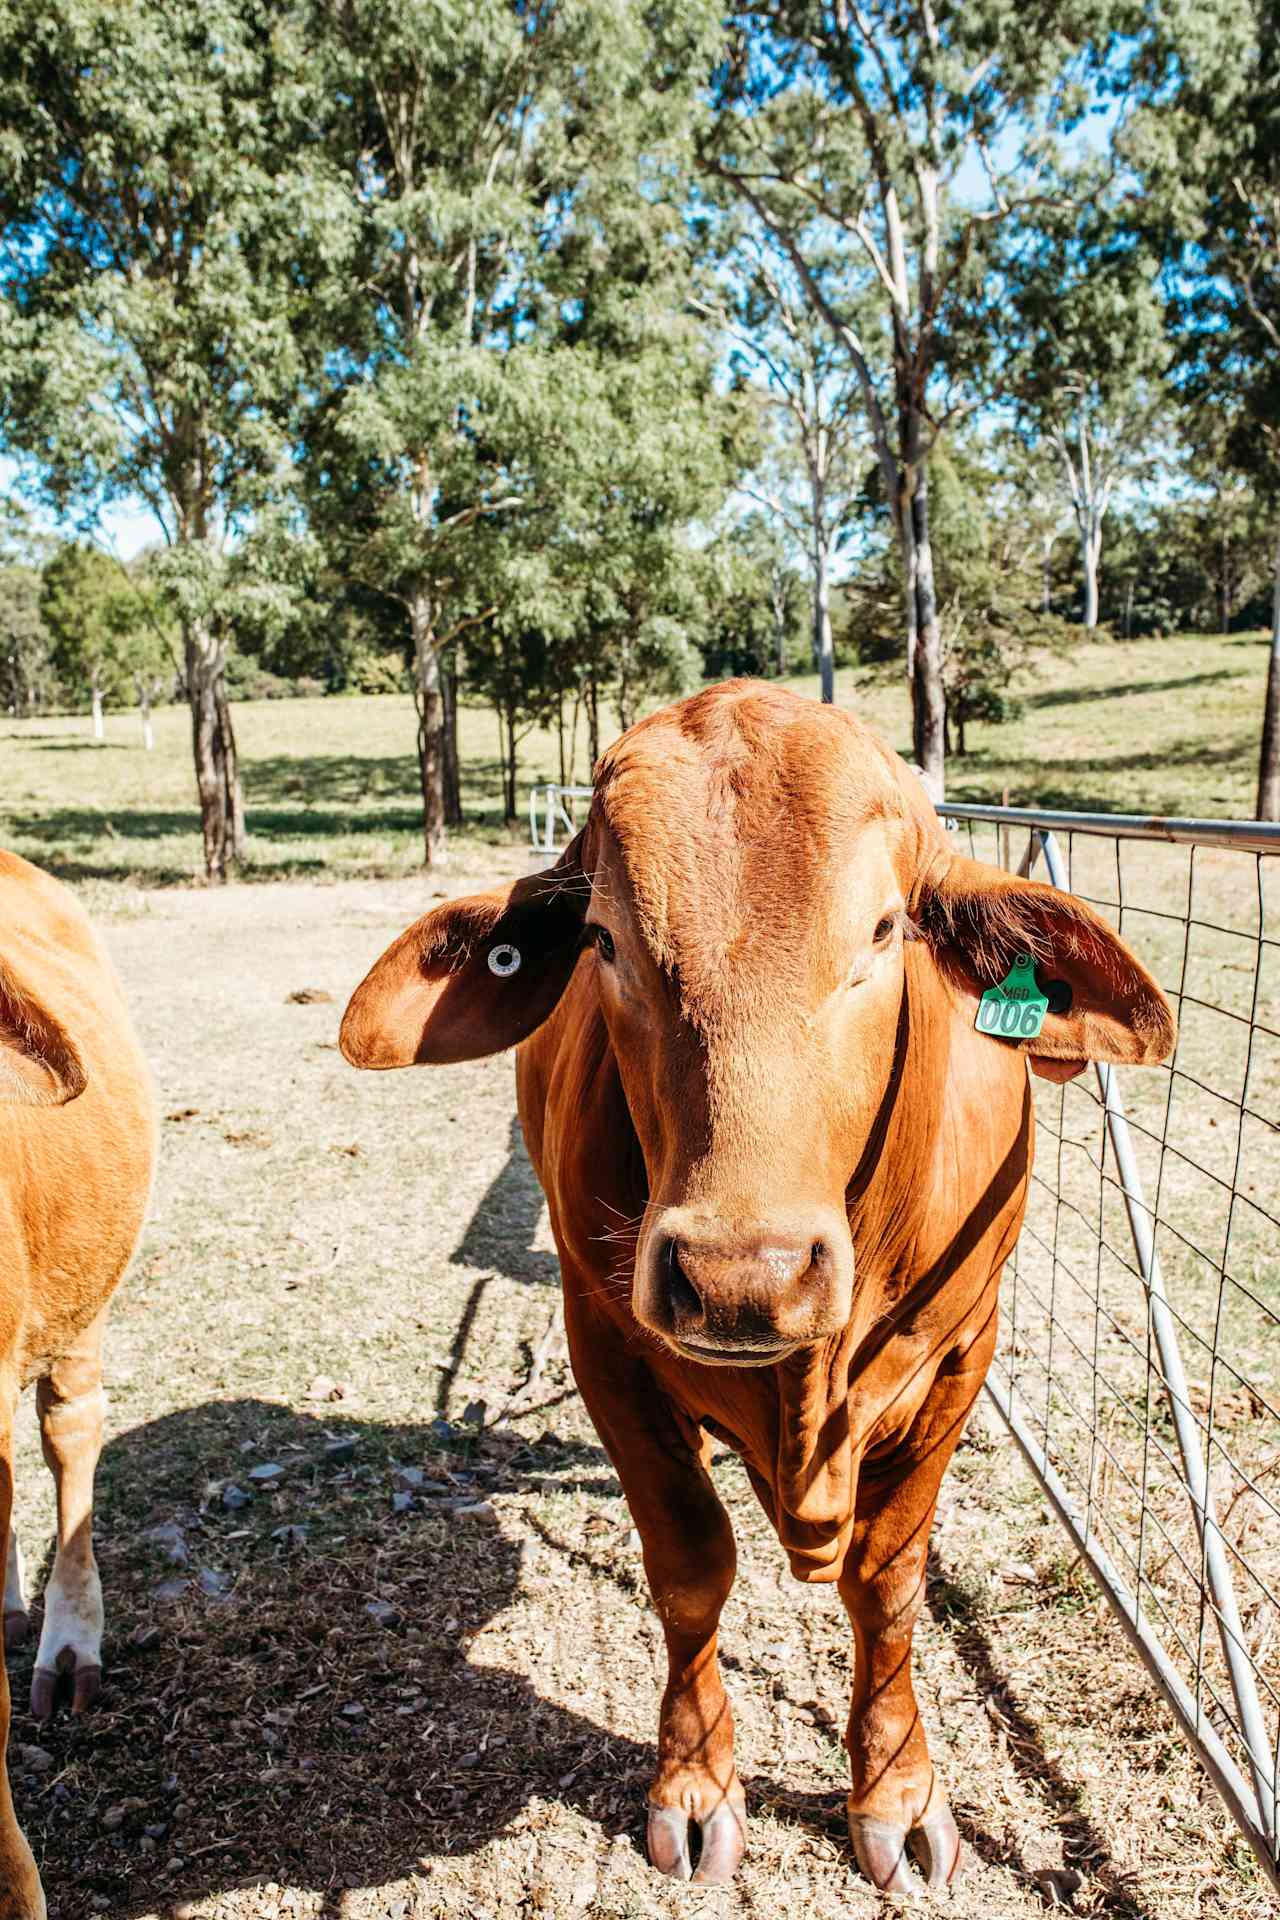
(376, 1649)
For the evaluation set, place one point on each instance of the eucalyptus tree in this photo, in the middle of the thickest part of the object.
(1208, 157)
(475, 145)
(27, 674)
(1086, 377)
(817, 447)
(900, 138)
(761, 605)
(153, 208)
(602, 583)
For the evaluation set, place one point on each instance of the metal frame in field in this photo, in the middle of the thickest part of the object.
(1052, 1383)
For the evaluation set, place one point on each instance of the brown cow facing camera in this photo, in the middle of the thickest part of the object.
(746, 996)
(77, 1152)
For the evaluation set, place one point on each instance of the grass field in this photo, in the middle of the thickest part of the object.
(1154, 726)
(415, 1674)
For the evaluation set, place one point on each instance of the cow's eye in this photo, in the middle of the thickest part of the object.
(604, 941)
(883, 929)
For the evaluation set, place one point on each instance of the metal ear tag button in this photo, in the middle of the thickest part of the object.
(504, 960)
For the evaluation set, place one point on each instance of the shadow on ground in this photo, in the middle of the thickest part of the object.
(1082, 696)
(293, 1697)
(501, 1232)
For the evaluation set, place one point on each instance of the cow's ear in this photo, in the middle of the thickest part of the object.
(1103, 1004)
(39, 1063)
(474, 976)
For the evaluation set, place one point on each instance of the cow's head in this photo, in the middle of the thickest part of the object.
(757, 879)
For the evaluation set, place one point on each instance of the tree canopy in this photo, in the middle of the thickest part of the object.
(555, 354)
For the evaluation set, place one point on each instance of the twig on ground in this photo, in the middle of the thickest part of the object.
(552, 1339)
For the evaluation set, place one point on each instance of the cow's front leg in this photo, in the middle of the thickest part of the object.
(689, 1561)
(897, 1805)
(71, 1406)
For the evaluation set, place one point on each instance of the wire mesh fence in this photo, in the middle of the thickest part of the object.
(1139, 1363)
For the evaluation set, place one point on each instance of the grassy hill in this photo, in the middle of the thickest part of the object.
(1150, 726)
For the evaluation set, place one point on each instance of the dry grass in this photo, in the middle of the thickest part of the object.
(389, 1706)
(1155, 726)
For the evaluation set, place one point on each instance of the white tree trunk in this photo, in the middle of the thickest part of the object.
(1090, 549)
(99, 731)
(823, 649)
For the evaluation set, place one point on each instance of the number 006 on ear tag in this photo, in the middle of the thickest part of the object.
(1014, 1010)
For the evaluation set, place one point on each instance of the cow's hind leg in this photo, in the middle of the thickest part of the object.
(897, 1807)
(20, 1895)
(17, 1617)
(71, 1406)
(689, 1561)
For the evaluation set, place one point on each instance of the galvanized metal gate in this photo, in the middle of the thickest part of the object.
(1139, 1362)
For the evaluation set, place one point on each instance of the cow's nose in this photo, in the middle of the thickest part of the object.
(732, 1289)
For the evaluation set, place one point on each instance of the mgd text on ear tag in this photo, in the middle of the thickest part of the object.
(1014, 1010)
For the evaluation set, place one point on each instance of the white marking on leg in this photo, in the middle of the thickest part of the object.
(72, 1615)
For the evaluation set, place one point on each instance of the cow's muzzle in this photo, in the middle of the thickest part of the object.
(743, 1297)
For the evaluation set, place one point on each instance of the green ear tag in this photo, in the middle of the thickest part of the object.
(1014, 1010)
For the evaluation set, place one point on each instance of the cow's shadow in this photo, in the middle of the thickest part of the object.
(307, 1697)
(502, 1230)
(296, 1700)
(299, 1700)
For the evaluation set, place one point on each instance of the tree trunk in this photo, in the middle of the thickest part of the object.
(573, 737)
(431, 730)
(1269, 761)
(1090, 548)
(230, 765)
(624, 685)
(95, 693)
(778, 604)
(928, 695)
(1046, 573)
(509, 796)
(1128, 608)
(214, 752)
(452, 774)
(824, 652)
(144, 708)
(593, 721)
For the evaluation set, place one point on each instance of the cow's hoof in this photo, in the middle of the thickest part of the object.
(724, 1840)
(884, 1851)
(17, 1625)
(81, 1684)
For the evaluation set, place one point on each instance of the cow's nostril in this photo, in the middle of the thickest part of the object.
(817, 1254)
(683, 1299)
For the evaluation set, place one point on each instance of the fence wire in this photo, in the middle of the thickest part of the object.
(1139, 1361)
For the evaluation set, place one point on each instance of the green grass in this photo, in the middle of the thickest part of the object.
(1151, 726)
